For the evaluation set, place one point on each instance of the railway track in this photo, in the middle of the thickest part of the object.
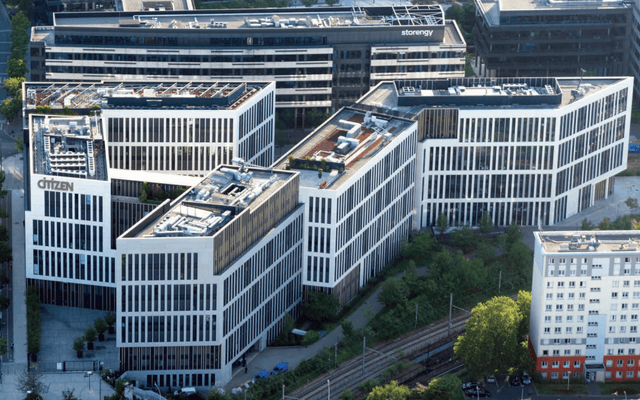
(350, 374)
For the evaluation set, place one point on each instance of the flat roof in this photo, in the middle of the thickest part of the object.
(341, 146)
(493, 8)
(407, 98)
(68, 146)
(154, 5)
(280, 18)
(589, 241)
(210, 205)
(139, 94)
(168, 177)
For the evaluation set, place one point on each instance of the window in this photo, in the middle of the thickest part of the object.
(579, 329)
(580, 307)
(634, 317)
(583, 284)
(558, 318)
(547, 330)
(560, 284)
(632, 351)
(576, 364)
(613, 318)
(545, 352)
(555, 364)
(565, 375)
(580, 318)
(568, 330)
(547, 307)
(623, 318)
(554, 375)
(557, 330)
(556, 352)
(614, 295)
(634, 306)
(547, 318)
(625, 306)
(549, 296)
(636, 295)
(629, 374)
(577, 352)
(625, 295)
(570, 306)
(636, 283)
(558, 307)
(544, 364)
(565, 364)
(572, 296)
(560, 296)
(620, 353)
(631, 363)
(623, 329)
(572, 284)
(582, 295)
(618, 374)
(567, 352)
(609, 363)
(612, 329)
(569, 318)
(625, 283)
(615, 283)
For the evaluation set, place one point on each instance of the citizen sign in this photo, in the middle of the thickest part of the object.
(52, 184)
(416, 33)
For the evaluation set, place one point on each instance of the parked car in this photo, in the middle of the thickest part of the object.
(280, 368)
(469, 385)
(491, 379)
(515, 381)
(187, 390)
(261, 375)
(526, 378)
(477, 392)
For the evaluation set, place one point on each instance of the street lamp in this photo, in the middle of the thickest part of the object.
(88, 375)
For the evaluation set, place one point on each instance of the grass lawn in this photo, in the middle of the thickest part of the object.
(620, 387)
(561, 388)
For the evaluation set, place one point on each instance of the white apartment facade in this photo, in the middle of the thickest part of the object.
(209, 277)
(523, 150)
(585, 302)
(360, 209)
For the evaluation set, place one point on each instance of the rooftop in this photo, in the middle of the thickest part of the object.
(68, 146)
(589, 241)
(210, 95)
(493, 8)
(407, 98)
(207, 207)
(154, 5)
(341, 146)
(282, 18)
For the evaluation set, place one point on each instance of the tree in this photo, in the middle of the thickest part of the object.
(587, 225)
(490, 343)
(31, 381)
(4, 233)
(19, 37)
(485, 223)
(5, 252)
(512, 236)
(390, 391)
(524, 306)
(332, 2)
(4, 302)
(13, 86)
(465, 238)
(100, 326)
(3, 346)
(320, 308)
(4, 279)
(419, 246)
(10, 107)
(447, 387)
(68, 395)
(309, 3)
(19, 144)
(90, 335)
(78, 344)
(443, 223)
(486, 252)
(16, 68)
(605, 225)
(33, 320)
(347, 328)
(393, 292)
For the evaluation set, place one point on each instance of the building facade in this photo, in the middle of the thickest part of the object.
(556, 38)
(523, 150)
(584, 305)
(209, 277)
(359, 208)
(320, 60)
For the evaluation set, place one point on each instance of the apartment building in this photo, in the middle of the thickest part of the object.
(554, 38)
(208, 277)
(359, 208)
(523, 150)
(320, 60)
(585, 302)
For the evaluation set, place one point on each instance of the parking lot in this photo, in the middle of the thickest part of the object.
(503, 391)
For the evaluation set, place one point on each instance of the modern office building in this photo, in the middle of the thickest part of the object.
(208, 277)
(54, 6)
(585, 302)
(359, 208)
(319, 60)
(556, 38)
(524, 150)
(185, 128)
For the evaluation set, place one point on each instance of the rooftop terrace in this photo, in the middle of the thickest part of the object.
(210, 95)
(592, 241)
(215, 201)
(68, 146)
(341, 146)
(288, 18)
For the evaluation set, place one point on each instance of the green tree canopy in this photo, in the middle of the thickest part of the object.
(446, 387)
(420, 245)
(90, 335)
(389, 391)
(490, 343)
(78, 344)
(485, 223)
(13, 86)
(320, 308)
(443, 223)
(3, 346)
(465, 238)
(393, 292)
(10, 107)
(16, 68)
(19, 144)
(524, 306)
(5, 302)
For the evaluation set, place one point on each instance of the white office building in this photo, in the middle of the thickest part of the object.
(360, 207)
(209, 277)
(523, 150)
(585, 302)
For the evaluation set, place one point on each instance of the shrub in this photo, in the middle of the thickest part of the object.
(78, 344)
(90, 335)
(310, 338)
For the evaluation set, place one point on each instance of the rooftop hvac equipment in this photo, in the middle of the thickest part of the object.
(408, 91)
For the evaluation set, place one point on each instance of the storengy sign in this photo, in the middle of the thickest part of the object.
(416, 32)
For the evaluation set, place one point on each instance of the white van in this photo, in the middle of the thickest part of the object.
(186, 390)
